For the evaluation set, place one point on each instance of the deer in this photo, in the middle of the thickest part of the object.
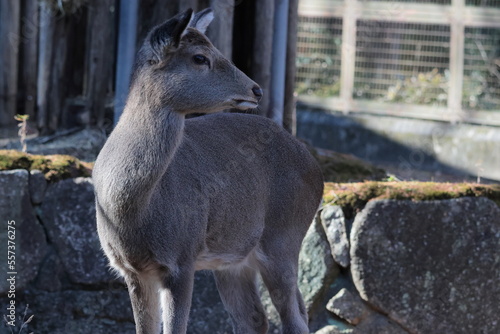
(233, 193)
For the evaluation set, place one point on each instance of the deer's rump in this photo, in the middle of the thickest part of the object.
(255, 179)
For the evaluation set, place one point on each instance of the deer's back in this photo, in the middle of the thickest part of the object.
(247, 152)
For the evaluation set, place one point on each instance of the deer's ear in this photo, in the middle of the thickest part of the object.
(168, 34)
(202, 19)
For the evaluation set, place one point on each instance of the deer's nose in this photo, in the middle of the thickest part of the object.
(257, 91)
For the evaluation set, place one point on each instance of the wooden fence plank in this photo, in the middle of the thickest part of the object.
(10, 12)
(291, 51)
(348, 55)
(29, 60)
(60, 67)
(193, 4)
(100, 57)
(153, 12)
(457, 30)
(278, 61)
(58, 81)
(220, 30)
(126, 43)
(45, 58)
(263, 43)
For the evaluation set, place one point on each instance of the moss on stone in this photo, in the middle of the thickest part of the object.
(338, 167)
(55, 167)
(352, 197)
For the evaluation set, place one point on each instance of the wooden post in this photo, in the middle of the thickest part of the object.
(61, 59)
(348, 55)
(289, 119)
(100, 54)
(45, 58)
(125, 55)
(220, 31)
(278, 66)
(263, 44)
(58, 82)
(29, 60)
(153, 12)
(9, 43)
(185, 4)
(456, 61)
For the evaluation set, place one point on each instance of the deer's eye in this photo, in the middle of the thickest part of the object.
(201, 60)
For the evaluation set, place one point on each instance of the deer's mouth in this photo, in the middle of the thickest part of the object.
(245, 104)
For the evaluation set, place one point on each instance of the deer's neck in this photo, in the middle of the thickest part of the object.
(143, 145)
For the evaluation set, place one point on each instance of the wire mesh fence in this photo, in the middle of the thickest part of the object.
(483, 3)
(319, 42)
(481, 86)
(438, 2)
(402, 62)
(407, 56)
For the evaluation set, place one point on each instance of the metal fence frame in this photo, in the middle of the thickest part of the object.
(457, 15)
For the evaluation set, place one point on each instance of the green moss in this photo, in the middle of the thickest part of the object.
(338, 167)
(55, 167)
(352, 197)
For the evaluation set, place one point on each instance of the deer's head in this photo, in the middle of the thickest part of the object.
(177, 66)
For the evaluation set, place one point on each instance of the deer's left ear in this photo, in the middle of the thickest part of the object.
(168, 35)
(202, 19)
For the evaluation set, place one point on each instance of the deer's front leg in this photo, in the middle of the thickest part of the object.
(176, 300)
(144, 289)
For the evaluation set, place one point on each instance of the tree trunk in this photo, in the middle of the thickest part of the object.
(9, 41)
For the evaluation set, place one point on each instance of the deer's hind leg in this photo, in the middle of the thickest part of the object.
(279, 269)
(238, 290)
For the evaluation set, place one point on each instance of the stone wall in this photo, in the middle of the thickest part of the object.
(394, 267)
(406, 144)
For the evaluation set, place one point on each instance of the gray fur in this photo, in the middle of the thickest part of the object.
(201, 20)
(233, 193)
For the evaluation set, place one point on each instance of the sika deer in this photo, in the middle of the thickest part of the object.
(233, 193)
